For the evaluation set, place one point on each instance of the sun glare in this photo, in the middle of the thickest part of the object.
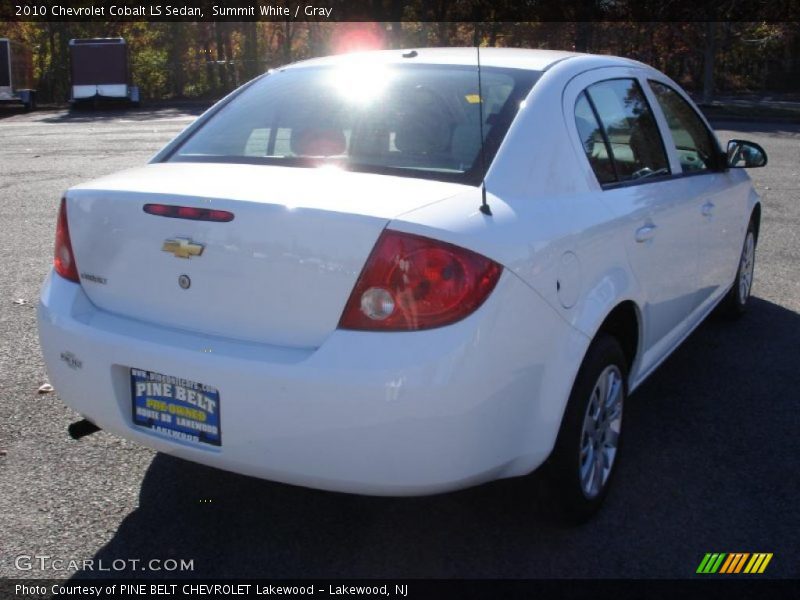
(360, 81)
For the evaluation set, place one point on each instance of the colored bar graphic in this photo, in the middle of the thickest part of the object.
(741, 562)
(729, 562)
(732, 562)
(723, 563)
(765, 563)
(716, 565)
(711, 563)
(703, 563)
(749, 567)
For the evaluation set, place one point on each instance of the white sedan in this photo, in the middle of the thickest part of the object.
(403, 272)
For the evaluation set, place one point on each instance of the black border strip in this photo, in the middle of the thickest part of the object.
(728, 587)
(393, 11)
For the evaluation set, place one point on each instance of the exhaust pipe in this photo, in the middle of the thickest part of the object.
(81, 428)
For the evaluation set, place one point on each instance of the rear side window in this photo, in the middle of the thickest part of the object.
(593, 141)
(694, 143)
(630, 133)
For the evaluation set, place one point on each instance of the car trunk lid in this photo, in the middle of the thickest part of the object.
(280, 272)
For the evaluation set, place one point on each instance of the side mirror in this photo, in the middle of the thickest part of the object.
(744, 154)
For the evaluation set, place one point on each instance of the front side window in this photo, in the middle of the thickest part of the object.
(417, 120)
(631, 134)
(694, 143)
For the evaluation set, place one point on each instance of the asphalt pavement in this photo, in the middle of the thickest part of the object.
(710, 463)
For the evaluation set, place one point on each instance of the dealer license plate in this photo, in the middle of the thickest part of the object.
(176, 408)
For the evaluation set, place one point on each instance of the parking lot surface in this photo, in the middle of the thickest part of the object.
(710, 464)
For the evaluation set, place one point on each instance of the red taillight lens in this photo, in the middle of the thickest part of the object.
(412, 282)
(64, 260)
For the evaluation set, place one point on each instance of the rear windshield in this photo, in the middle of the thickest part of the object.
(421, 121)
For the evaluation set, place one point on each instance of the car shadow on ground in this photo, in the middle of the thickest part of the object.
(11, 110)
(711, 443)
(102, 113)
(113, 112)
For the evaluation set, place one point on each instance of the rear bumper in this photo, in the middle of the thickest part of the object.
(395, 414)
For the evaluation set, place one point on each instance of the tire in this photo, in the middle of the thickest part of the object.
(578, 483)
(734, 304)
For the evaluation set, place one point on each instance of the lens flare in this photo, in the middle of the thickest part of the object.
(357, 37)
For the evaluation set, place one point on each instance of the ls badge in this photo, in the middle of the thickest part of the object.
(182, 247)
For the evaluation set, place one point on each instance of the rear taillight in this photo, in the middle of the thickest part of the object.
(64, 260)
(412, 282)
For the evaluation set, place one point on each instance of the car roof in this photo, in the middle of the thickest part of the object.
(519, 58)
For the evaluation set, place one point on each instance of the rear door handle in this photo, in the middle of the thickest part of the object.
(707, 209)
(645, 233)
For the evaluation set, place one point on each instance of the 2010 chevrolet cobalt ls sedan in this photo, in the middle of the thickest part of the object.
(402, 273)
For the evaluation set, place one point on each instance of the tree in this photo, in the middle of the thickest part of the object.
(709, 53)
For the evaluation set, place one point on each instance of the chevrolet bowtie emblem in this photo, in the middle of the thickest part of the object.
(182, 247)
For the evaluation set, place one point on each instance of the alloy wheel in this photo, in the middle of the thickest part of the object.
(746, 267)
(601, 429)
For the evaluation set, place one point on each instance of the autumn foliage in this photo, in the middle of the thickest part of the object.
(208, 59)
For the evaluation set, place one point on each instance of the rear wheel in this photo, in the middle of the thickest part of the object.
(735, 303)
(583, 462)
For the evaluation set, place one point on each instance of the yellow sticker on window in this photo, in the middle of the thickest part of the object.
(472, 98)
